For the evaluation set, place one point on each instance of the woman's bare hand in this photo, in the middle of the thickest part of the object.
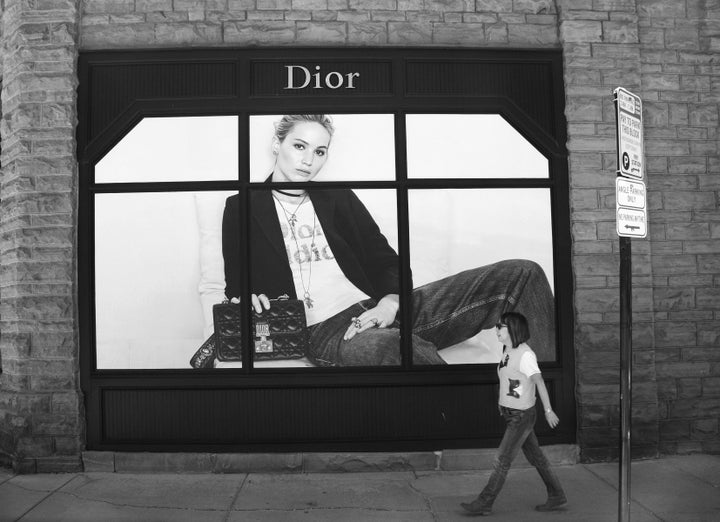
(258, 302)
(382, 316)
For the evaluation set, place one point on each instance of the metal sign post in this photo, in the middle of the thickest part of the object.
(625, 376)
(631, 221)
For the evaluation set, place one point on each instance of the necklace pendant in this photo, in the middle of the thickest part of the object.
(308, 300)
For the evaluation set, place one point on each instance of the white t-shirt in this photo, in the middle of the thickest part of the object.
(516, 367)
(315, 272)
(528, 364)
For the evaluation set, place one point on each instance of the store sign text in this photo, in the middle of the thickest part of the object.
(299, 77)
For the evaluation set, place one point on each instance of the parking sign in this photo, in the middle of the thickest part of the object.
(628, 109)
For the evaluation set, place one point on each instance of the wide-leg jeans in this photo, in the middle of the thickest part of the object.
(444, 313)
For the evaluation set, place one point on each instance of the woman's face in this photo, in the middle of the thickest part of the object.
(302, 153)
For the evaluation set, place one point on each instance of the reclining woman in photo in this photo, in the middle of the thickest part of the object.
(322, 245)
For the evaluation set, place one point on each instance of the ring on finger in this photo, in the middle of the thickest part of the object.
(357, 323)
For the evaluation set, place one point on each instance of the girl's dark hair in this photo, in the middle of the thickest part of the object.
(517, 327)
(287, 122)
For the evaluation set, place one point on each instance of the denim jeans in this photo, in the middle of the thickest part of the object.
(519, 433)
(444, 313)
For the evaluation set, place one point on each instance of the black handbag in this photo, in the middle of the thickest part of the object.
(278, 333)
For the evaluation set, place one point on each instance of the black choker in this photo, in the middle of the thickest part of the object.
(288, 193)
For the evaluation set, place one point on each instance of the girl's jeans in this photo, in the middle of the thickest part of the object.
(446, 312)
(519, 433)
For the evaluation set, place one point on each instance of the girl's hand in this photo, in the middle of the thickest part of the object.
(258, 302)
(551, 418)
(381, 316)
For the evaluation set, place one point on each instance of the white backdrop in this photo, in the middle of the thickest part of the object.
(174, 149)
(469, 146)
(149, 246)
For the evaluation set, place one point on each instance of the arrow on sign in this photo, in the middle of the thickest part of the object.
(632, 227)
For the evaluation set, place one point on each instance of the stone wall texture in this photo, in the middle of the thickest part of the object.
(680, 79)
(667, 51)
(41, 415)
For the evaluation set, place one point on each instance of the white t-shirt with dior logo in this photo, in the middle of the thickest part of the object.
(315, 272)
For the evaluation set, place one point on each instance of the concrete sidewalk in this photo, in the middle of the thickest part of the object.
(679, 488)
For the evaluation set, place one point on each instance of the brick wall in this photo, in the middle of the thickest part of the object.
(666, 52)
(176, 23)
(660, 49)
(600, 42)
(41, 419)
(679, 47)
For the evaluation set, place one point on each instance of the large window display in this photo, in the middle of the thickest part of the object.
(307, 255)
(318, 267)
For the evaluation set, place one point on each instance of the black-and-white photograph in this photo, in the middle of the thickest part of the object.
(359, 260)
(167, 269)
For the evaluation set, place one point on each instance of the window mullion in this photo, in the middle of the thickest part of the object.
(406, 284)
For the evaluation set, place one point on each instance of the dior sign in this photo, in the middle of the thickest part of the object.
(299, 77)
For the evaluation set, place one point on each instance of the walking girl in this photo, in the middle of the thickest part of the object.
(520, 378)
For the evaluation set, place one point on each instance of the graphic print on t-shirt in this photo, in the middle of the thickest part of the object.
(504, 362)
(317, 277)
(308, 244)
(514, 390)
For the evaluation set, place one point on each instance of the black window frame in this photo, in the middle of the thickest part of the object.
(97, 135)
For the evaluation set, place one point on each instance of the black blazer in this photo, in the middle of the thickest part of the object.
(360, 249)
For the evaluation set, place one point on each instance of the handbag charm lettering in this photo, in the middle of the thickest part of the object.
(263, 344)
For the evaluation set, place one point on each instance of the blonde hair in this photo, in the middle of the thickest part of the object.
(287, 122)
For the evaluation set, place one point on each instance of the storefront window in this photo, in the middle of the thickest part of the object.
(173, 149)
(427, 197)
(479, 253)
(164, 260)
(154, 274)
(470, 146)
(362, 148)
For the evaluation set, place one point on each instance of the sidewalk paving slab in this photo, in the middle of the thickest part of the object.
(702, 466)
(671, 489)
(523, 490)
(387, 490)
(369, 514)
(683, 489)
(202, 492)
(20, 494)
(66, 508)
